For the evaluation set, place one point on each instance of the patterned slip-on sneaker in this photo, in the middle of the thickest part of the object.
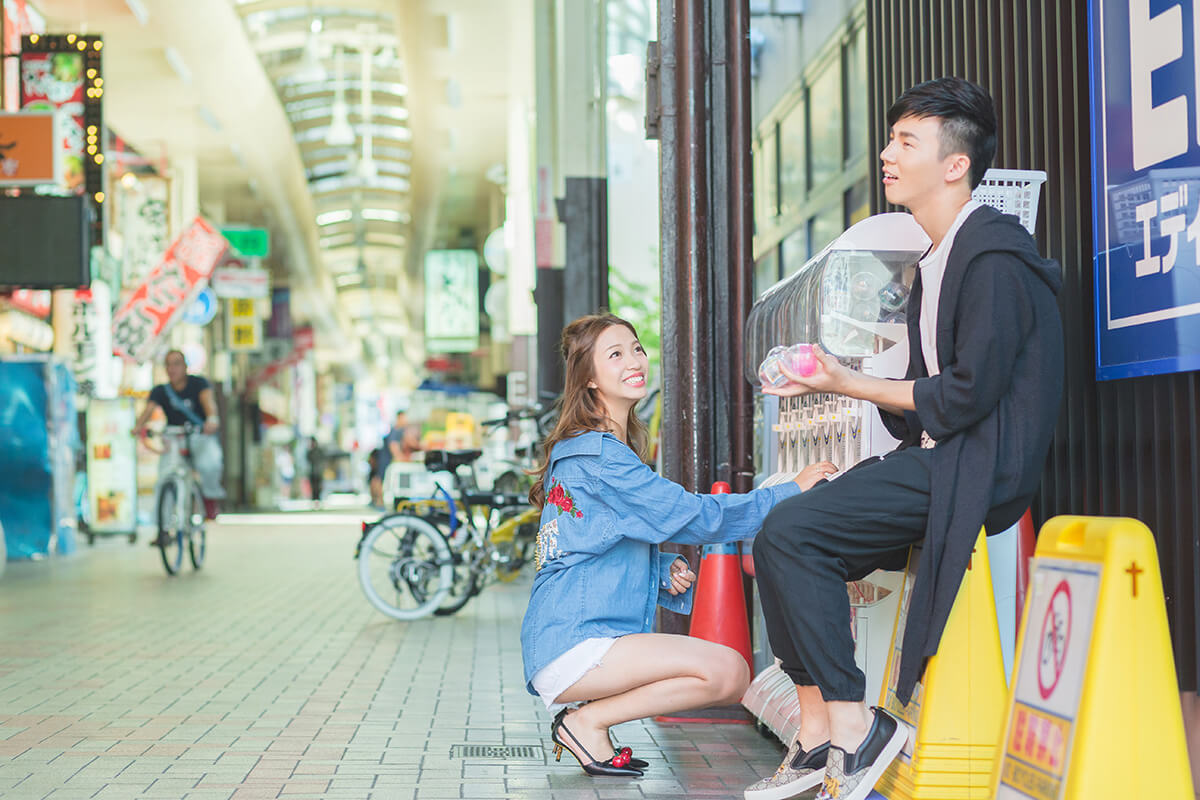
(799, 772)
(852, 776)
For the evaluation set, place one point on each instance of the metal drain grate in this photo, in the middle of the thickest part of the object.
(506, 752)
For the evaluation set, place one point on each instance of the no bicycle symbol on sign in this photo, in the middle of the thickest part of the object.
(1050, 677)
(1055, 638)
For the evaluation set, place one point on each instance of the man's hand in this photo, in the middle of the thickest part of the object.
(211, 425)
(682, 577)
(830, 376)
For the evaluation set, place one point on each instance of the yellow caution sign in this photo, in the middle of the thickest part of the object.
(1095, 708)
(956, 710)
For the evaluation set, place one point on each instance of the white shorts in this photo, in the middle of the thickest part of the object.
(563, 672)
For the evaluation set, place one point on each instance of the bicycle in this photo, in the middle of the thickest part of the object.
(512, 471)
(431, 556)
(179, 504)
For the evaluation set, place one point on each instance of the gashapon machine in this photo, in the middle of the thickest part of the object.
(851, 299)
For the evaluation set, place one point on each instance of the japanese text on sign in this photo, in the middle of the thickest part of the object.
(1146, 186)
(158, 301)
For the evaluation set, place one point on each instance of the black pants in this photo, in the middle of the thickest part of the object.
(812, 544)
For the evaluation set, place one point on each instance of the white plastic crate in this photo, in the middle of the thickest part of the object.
(1012, 191)
(411, 481)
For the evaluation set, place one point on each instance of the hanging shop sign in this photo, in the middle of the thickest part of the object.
(62, 74)
(27, 149)
(249, 242)
(83, 337)
(35, 301)
(243, 333)
(160, 300)
(451, 301)
(1146, 188)
(112, 465)
(144, 225)
(245, 282)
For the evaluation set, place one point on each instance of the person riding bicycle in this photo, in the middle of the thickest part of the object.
(188, 400)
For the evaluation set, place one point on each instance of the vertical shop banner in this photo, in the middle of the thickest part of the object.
(162, 297)
(280, 324)
(144, 227)
(244, 329)
(20, 19)
(112, 465)
(1146, 186)
(54, 82)
(451, 301)
(91, 341)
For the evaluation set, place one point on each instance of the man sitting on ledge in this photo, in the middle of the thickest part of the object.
(975, 414)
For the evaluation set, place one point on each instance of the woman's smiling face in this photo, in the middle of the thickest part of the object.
(619, 366)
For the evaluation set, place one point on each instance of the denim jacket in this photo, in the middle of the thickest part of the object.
(600, 572)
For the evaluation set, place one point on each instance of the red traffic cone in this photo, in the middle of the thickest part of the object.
(719, 606)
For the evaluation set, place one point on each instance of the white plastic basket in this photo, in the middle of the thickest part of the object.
(411, 481)
(1012, 191)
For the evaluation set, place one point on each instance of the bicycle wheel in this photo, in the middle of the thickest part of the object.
(198, 540)
(466, 581)
(405, 567)
(170, 527)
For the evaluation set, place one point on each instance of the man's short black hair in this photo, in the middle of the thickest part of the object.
(967, 115)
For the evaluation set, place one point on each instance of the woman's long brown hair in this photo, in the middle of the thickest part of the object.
(580, 408)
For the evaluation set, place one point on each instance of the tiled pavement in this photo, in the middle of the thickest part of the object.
(267, 674)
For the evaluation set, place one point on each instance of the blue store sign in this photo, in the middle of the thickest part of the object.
(1145, 122)
(201, 310)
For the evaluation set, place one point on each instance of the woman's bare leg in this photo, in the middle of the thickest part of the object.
(647, 674)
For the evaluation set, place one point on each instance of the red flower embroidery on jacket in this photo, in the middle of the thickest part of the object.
(562, 500)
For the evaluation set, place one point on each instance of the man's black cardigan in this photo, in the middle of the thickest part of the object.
(992, 409)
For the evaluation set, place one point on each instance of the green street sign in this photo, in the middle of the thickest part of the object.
(249, 242)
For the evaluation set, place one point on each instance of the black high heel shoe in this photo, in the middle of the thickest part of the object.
(617, 766)
(636, 763)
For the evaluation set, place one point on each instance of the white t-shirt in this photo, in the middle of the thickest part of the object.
(933, 267)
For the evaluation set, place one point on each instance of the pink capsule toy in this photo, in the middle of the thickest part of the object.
(801, 360)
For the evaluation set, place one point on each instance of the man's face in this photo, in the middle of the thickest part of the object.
(912, 167)
(176, 367)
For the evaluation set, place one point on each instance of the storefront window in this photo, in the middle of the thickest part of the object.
(856, 95)
(795, 251)
(858, 202)
(792, 162)
(825, 226)
(766, 271)
(825, 115)
(770, 177)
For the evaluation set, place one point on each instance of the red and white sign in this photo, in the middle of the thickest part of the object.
(302, 341)
(20, 19)
(55, 82)
(1050, 676)
(246, 283)
(161, 299)
(1054, 638)
(35, 301)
